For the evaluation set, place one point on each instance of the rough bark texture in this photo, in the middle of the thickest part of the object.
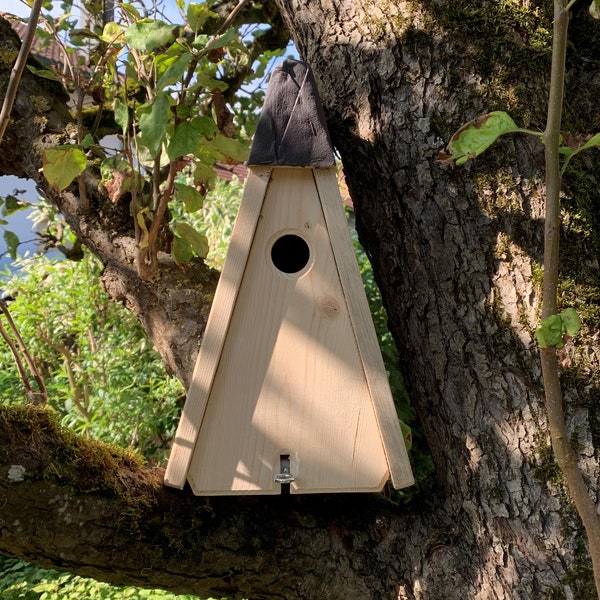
(456, 254)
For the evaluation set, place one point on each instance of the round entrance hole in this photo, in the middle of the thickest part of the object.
(290, 253)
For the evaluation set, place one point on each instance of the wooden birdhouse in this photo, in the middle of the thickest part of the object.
(289, 387)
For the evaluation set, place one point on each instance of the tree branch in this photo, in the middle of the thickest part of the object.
(17, 71)
(239, 547)
(565, 454)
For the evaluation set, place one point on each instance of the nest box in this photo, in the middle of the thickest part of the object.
(289, 386)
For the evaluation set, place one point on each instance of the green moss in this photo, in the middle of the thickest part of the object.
(59, 454)
(8, 55)
(581, 576)
(41, 103)
(504, 40)
(546, 469)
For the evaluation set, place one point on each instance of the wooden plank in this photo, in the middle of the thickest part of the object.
(366, 336)
(217, 325)
(290, 379)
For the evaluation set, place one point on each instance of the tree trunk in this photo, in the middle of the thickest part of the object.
(456, 253)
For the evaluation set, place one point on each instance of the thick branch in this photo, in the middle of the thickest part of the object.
(82, 507)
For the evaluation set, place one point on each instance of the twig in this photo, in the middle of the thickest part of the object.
(18, 362)
(19, 67)
(563, 450)
(36, 397)
(231, 17)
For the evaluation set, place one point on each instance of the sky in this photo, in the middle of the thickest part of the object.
(21, 8)
(16, 7)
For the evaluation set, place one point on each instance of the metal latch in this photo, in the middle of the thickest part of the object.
(285, 474)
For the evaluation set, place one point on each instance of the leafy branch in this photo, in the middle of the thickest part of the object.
(162, 83)
(18, 348)
(471, 140)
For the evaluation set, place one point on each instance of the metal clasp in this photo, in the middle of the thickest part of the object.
(285, 474)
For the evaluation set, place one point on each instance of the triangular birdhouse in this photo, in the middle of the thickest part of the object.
(289, 386)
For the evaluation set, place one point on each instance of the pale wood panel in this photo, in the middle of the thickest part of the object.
(216, 327)
(290, 378)
(368, 345)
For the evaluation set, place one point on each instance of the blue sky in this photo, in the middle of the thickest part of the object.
(16, 7)
(21, 8)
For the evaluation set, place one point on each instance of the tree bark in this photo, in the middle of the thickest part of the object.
(456, 253)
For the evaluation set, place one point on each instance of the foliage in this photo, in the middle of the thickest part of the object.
(10, 204)
(214, 219)
(555, 327)
(166, 85)
(471, 140)
(477, 136)
(100, 372)
(29, 582)
(127, 396)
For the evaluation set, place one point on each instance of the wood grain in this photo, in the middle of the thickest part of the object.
(216, 327)
(368, 346)
(290, 378)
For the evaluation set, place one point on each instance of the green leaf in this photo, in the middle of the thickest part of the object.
(189, 135)
(79, 36)
(181, 250)
(61, 164)
(87, 141)
(595, 9)
(552, 329)
(475, 137)
(12, 242)
(570, 320)
(45, 73)
(205, 81)
(593, 141)
(182, 111)
(197, 240)
(228, 147)
(153, 123)
(112, 33)
(171, 68)
(569, 151)
(223, 40)
(198, 14)
(122, 116)
(185, 140)
(13, 204)
(200, 41)
(131, 11)
(147, 35)
(204, 175)
(205, 125)
(550, 332)
(190, 196)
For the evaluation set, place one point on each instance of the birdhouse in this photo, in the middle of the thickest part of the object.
(289, 388)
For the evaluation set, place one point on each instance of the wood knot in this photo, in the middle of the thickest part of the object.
(329, 306)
